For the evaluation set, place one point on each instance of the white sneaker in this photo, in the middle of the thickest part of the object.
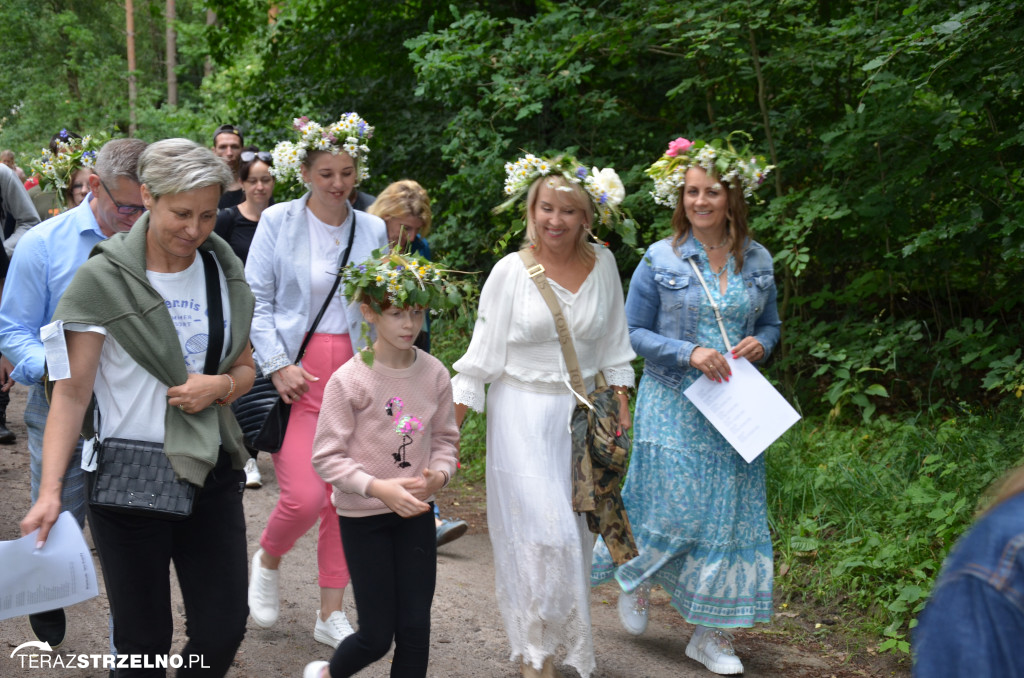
(713, 648)
(633, 609)
(252, 474)
(264, 604)
(332, 631)
(314, 669)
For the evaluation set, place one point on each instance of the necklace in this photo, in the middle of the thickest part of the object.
(708, 248)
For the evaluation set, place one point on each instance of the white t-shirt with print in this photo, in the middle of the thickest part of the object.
(132, 402)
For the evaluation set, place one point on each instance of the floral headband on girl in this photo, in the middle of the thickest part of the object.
(602, 186)
(347, 135)
(736, 169)
(402, 280)
(73, 153)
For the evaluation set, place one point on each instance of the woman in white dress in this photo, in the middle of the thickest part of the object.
(542, 549)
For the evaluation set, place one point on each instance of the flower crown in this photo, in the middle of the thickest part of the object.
(347, 135)
(402, 280)
(56, 169)
(602, 185)
(736, 169)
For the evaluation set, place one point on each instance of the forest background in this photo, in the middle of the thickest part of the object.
(894, 212)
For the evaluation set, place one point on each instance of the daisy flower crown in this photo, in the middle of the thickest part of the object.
(56, 169)
(735, 169)
(347, 135)
(602, 186)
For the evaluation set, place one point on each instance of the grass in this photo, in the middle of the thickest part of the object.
(863, 516)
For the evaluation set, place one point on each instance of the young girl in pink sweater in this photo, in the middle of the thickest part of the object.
(386, 440)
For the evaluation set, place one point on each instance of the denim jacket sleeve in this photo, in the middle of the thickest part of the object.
(643, 304)
(764, 323)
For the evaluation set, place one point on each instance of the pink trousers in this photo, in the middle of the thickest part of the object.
(304, 495)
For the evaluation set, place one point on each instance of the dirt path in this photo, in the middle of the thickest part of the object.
(467, 639)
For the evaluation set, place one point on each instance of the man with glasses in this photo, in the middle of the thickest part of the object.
(227, 144)
(43, 265)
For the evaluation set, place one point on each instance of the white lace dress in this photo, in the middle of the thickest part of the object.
(542, 549)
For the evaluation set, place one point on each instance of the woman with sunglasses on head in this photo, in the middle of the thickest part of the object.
(237, 224)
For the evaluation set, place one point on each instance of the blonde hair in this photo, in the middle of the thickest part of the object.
(403, 198)
(576, 197)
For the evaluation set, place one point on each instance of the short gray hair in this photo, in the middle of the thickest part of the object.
(179, 165)
(119, 158)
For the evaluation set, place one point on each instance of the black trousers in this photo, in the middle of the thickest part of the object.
(393, 564)
(208, 550)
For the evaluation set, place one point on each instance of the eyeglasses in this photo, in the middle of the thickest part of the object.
(127, 210)
(264, 157)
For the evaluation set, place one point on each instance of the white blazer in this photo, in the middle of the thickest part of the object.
(278, 271)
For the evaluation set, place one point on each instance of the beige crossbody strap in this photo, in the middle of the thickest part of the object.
(572, 363)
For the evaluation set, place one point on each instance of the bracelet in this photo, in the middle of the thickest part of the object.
(231, 391)
(621, 391)
(446, 478)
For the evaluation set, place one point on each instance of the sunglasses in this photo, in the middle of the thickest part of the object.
(127, 210)
(263, 156)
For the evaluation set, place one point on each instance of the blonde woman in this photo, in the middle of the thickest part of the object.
(542, 548)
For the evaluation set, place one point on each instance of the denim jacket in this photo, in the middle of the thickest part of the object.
(664, 299)
(973, 623)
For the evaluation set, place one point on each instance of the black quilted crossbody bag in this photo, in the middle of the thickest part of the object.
(136, 476)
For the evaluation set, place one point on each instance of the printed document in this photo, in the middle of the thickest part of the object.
(58, 575)
(746, 410)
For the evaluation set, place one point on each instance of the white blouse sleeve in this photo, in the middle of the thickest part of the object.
(484, 361)
(617, 352)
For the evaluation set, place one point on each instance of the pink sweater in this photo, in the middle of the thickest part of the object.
(383, 423)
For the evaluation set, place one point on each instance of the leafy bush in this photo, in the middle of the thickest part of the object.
(864, 516)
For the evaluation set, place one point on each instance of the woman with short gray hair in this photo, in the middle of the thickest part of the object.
(139, 319)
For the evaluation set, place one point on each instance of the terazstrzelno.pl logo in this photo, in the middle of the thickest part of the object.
(39, 655)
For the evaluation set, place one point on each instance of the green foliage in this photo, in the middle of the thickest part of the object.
(864, 516)
(64, 65)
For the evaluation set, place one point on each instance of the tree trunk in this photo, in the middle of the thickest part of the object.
(171, 45)
(129, 12)
(211, 19)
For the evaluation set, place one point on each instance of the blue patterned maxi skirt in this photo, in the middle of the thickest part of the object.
(699, 515)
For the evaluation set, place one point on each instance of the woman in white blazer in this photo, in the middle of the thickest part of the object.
(296, 253)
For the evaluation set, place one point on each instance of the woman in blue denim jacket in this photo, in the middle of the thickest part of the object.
(974, 622)
(697, 509)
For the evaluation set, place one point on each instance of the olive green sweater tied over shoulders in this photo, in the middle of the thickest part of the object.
(111, 290)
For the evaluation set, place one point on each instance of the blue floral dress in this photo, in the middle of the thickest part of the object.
(697, 509)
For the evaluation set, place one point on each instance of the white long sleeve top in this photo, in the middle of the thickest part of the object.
(515, 339)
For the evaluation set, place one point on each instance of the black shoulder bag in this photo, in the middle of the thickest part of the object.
(136, 476)
(261, 413)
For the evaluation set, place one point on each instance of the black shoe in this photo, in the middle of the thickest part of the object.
(49, 626)
(7, 436)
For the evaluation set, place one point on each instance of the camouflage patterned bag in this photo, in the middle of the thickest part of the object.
(600, 448)
(600, 454)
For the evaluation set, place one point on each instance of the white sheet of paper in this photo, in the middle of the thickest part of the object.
(58, 575)
(56, 350)
(746, 410)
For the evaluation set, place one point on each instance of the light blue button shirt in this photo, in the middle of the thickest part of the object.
(43, 265)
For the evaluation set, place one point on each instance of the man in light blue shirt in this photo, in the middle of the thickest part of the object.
(43, 265)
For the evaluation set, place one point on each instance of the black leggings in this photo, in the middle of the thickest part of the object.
(393, 564)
